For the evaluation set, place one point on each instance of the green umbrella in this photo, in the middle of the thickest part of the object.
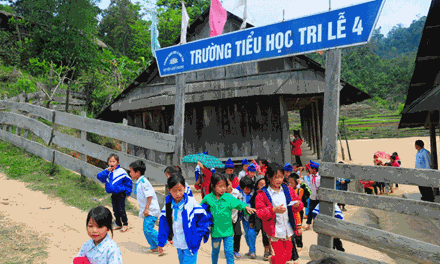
(207, 160)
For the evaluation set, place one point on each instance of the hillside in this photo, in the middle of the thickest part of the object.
(366, 121)
(384, 67)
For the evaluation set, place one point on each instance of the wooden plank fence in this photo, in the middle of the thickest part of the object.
(50, 135)
(387, 242)
(73, 100)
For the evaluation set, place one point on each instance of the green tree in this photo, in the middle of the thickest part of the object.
(63, 31)
(118, 26)
(170, 17)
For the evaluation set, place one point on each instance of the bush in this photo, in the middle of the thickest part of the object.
(9, 52)
(25, 85)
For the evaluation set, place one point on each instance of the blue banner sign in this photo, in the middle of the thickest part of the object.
(343, 27)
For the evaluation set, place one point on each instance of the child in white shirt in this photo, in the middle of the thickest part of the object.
(100, 249)
(148, 204)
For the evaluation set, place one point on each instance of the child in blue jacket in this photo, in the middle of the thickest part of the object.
(119, 184)
(183, 221)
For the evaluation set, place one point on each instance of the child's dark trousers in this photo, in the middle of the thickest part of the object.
(118, 203)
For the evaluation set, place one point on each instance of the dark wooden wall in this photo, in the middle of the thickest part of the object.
(235, 128)
(226, 128)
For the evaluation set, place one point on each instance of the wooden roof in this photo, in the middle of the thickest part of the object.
(424, 90)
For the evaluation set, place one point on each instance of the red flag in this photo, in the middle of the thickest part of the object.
(217, 18)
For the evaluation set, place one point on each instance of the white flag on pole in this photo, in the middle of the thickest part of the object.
(185, 21)
(245, 12)
(239, 3)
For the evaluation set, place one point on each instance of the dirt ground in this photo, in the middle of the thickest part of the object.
(42, 223)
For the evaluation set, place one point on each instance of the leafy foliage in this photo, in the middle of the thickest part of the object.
(384, 67)
(170, 17)
(61, 31)
(117, 28)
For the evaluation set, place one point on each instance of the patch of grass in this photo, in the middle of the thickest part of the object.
(359, 128)
(55, 180)
(20, 244)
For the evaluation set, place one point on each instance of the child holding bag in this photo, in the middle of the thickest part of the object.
(276, 206)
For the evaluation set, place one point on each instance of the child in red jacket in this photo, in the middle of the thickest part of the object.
(368, 186)
(296, 147)
(276, 206)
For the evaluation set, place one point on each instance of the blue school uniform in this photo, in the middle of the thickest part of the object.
(190, 224)
(120, 185)
(338, 212)
(249, 233)
(117, 181)
(188, 190)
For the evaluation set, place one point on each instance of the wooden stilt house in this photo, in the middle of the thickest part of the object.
(235, 111)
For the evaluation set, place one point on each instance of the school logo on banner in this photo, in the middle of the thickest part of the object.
(174, 61)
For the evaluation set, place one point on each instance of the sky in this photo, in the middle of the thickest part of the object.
(265, 12)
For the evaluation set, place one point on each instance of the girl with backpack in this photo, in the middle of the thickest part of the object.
(256, 223)
(276, 206)
(182, 221)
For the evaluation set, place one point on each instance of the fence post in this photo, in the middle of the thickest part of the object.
(124, 144)
(4, 126)
(67, 98)
(18, 130)
(83, 137)
(330, 131)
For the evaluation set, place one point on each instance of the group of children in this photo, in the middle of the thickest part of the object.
(379, 188)
(265, 196)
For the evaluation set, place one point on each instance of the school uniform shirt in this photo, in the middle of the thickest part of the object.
(237, 195)
(241, 175)
(188, 190)
(282, 226)
(221, 211)
(144, 189)
(315, 182)
(338, 212)
(246, 198)
(116, 181)
(192, 225)
(179, 234)
(106, 252)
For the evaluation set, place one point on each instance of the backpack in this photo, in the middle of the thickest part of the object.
(168, 213)
(307, 193)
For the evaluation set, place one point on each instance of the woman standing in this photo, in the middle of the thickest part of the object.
(296, 147)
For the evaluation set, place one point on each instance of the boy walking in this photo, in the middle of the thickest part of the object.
(148, 204)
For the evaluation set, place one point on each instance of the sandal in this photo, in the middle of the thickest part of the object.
(124, 229)
(237, 255)
(252, 255)
(117, 228)
(266, 256)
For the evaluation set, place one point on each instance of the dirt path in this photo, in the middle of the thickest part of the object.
(64, 228)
